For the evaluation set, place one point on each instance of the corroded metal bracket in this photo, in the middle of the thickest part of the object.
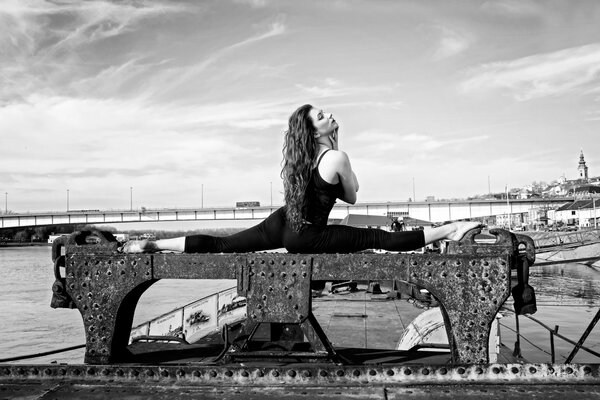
(471, 283)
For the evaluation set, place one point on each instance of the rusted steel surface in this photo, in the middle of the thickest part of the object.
(105, 285)
(308, 374)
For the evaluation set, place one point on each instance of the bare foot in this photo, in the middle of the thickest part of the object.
(138, 246)
(460, 228)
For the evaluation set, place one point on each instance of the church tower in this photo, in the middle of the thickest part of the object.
(582, 168)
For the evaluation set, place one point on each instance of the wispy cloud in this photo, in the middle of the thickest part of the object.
(46, 41)
(512, 8)
(540, 75)
(333, 87)
(451, 43)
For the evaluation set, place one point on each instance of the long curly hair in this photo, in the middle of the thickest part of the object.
(299, 151)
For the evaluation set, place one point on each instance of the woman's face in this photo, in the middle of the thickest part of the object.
(324, 124)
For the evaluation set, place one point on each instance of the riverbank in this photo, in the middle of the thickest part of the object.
(28, 244)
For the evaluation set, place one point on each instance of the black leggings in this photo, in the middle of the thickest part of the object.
(274, 233)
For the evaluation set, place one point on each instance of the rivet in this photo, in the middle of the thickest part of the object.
(485, 263)
(275, 373)
(259, 306)
(389, 372)
(120, 372)
(290, 297)
(254, 316)
(303, 262)
(245, 374)
(457, 263)
(306, 374)
(262, 273)
(444, 274)
(212, 373)
(372, 372)
(180, 373)
(47, 371)
(428, 263)
(473, 263)
(587, 370)
(458, 275)
(20, 371)
(413, 263)
(304, 274)
(339, 372)
(532, 370)
(135, 372)
(62, 371)
(109, 272)
(478, 370)
(291, 373)
(425, 371)
(443, 371)
(569, 370)
(164, 373)
(260, 374)
(271, 274)
(270, 288)
(34, 371)
(149, 372)
(264, 296)
(323, 373)
(282, 262)
(407, 371)
(105, 371)
(283, 274)
(514, 370)
(262, 261)
(460, 371)
(196, 373)
(272, 262)
(496, 370)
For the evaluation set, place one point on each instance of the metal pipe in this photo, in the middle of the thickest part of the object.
(583, 337)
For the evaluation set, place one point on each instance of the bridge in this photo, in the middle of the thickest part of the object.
(436, 211)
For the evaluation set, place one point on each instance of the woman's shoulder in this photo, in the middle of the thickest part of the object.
(335, 156)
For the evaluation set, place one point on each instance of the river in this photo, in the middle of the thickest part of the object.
(568, 295)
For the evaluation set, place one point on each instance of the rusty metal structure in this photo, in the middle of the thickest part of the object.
(470, 280)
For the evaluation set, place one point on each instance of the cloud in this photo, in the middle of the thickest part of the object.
(451, 43)
(540, 75)
(512, 8)
(252, 3)
(333, 87)
(46, 44)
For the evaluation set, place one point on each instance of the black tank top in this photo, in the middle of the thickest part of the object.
(321, 196)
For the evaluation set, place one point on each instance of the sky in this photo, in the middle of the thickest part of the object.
(159, 104)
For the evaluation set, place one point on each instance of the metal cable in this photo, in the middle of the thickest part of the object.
(45, 353)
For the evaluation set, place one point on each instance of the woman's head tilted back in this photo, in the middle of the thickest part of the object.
(299, 151)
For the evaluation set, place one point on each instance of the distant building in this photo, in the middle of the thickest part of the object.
(582, 168)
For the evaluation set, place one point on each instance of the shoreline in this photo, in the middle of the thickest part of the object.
(34, 244)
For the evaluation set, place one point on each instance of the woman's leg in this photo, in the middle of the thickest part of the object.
(347, 239)
(265, 236)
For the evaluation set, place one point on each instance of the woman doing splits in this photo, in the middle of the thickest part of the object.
(315, 173)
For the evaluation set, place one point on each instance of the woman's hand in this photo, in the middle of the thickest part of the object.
(334, 140)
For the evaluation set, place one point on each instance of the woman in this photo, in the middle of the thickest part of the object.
(315, 173)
